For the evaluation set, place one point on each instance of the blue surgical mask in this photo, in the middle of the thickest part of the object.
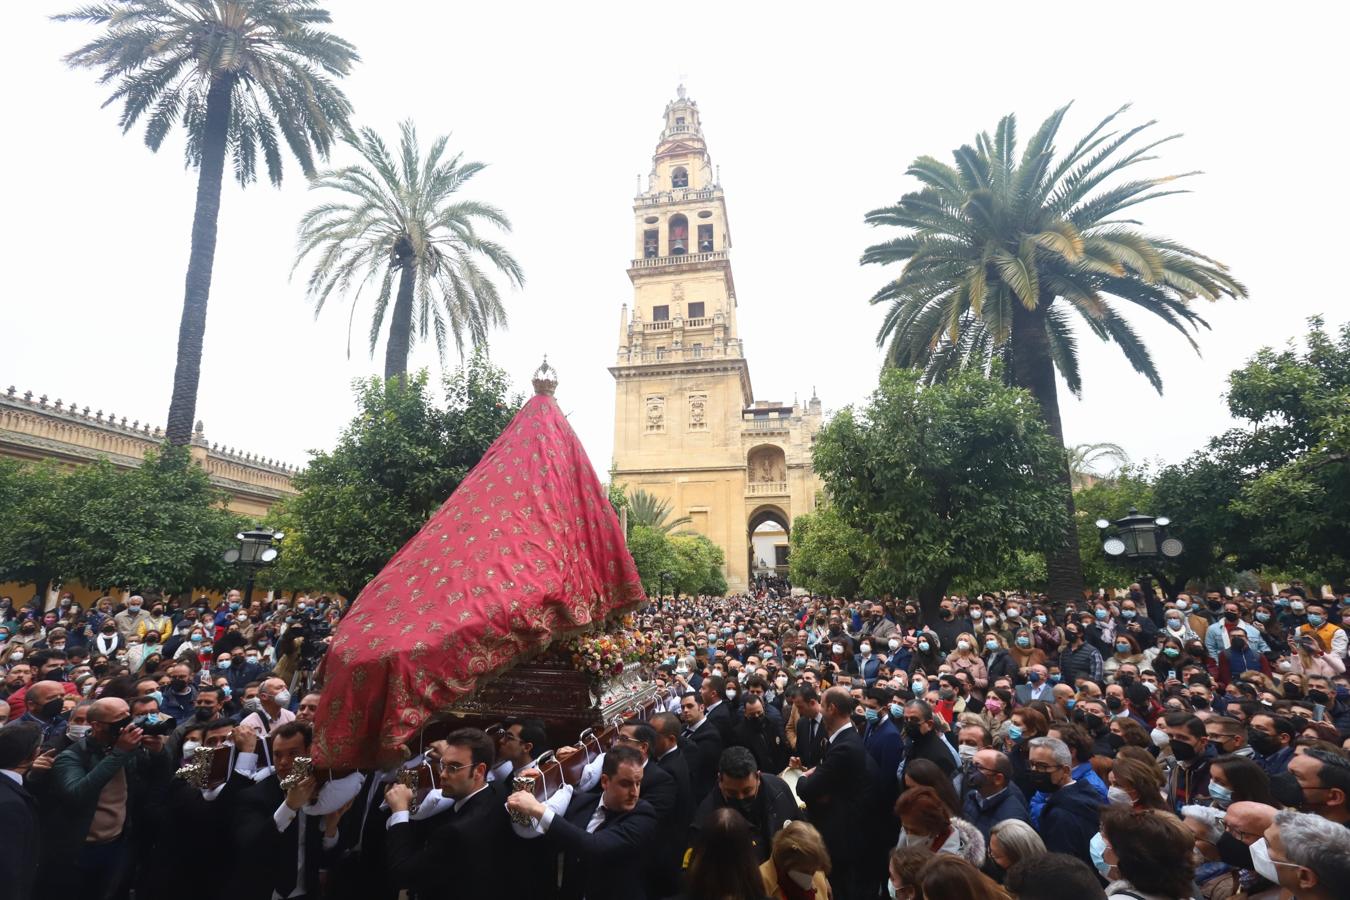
(1101, 615)
(1127, 614)
(159, 697)
(1315, 620)
(870, 714)
(1024, 642)
(1042, 619)
(923, 646)
(897, 711)
(1097, 850)
(1263, 617)
(1014, 733)
(1220, 794)
(1070, 703)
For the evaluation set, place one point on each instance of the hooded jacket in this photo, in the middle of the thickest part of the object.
(1070, 818)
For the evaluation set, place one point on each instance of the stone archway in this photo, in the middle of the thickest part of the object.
(760, 516)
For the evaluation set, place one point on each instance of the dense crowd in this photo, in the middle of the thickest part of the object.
(1002, 746)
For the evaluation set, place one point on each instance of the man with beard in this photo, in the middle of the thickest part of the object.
(762, 798)
(760, 735)
(948, 628)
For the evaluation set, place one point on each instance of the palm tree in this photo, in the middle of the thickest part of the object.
(646, 509)
(242, 76)
(1084, 459)
(403, 218)
(1001, 253)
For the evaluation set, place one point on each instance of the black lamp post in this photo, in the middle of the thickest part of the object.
(1142, 539)
(665, 576)
(255, 550)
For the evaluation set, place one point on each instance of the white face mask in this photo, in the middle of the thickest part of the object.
(189, 748)
(77, 732)
(963, 645)
(801, 879)
(1118, 795)
(838, 649)
(282, 698)
(1160, 738)
(865, 649)
(731, 695)
(1263, 864)
(893, 643)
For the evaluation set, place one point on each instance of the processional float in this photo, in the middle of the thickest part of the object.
(510, 601)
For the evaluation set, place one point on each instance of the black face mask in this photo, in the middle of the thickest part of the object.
(1238, 645)
(1263, 743)
(115, 729)
(178, 684)
(1234, 852)
(1286, 789)
(1183, 751)
(1114, 704)
(1115, 740)
(1293, 691)
(946, 614)
(1230, 616)
(1322, 698)
(1093, 722)
(202, 715)
(51, 709)
(746, 807)
(1043, 782)
(1199, 703)
(914, 730)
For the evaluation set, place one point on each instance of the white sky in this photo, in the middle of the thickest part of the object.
(812, 113)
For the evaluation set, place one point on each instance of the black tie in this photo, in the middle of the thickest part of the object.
(810, 732)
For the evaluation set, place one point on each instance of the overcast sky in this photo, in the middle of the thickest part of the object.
(811, 111)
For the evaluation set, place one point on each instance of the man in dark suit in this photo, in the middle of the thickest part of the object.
(762, 736)
(763, 799)
(20, 744)
(463, 855)
(279, 831)
(835, 789)
(605, 836)
(702, 746)
(811, 731)
(668, 755)
(716, 707)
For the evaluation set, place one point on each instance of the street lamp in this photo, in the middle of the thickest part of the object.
(255, 550)
(665, 576)
(1140, 536)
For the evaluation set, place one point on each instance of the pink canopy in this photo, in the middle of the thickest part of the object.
(527, 549)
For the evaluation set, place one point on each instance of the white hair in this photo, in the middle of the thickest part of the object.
(1018, 839)
(1059, 750)
(1316, 843)
(1208, 816)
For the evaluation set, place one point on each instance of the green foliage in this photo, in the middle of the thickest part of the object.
(953, 479)
(272, 57)
(1001, 233)
(395, 464)
(1109, 499)
(694, 564)
(395, 219)
(699, 565)
(646, 509)
(160, 526)
(828, 556)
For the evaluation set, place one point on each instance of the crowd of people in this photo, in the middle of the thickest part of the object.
(998, 746)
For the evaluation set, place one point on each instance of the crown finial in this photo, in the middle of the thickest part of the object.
(545, 378)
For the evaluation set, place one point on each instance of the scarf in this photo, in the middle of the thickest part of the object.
(106, 648)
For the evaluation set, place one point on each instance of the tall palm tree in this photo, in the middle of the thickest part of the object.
(1002, 254)
(647, 509)
(238, 75)
(403, 218)
(1084, 459)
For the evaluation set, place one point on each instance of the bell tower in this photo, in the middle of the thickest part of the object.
(685, 424)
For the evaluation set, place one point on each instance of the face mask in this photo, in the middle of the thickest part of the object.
(897, 711)
(913, 729)
(1263, 617)
(923, 646)
(731, 695)
(991, 645)
(224, 663)
(1024, 642)
(189, 748)
(890, 890)
(1119, 796)
(1159, 737)
(51, 709)
(968, 752)
(1315, 620)
(802, 879)
(1097, 849)
(1321, 698)
(1297, 606)
(1114, 704)
(1101, 615)
(196, 639)
(1183, 751)
(253, 704)
(1042, 619)
(871, 715)
(963, 645)
(1043, 782)
(1234, 852)
(77, 732)
(1286, 789)
(1014, 733)
(1220, 794)
(283, 698)
(837, 649)
(865, 649)
(1122, 648)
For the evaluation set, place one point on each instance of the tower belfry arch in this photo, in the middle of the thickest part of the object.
(687, 427)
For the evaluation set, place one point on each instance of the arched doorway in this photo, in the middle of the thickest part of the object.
(766, 537)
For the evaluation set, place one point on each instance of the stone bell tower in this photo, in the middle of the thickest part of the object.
(686, 427)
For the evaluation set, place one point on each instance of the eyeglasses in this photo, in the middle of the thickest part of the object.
(1239, 833)
(1045, 768)
(452, 768)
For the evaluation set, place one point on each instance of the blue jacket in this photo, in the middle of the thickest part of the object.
(885, 744)
(902, 659)
(1080, 772)
(984, 813)
(868, 669)
(1070, 819)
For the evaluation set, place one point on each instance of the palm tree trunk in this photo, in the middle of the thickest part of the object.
(400, 326)
(192, 327)
(1033, 369)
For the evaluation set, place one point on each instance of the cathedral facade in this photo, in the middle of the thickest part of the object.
(687, 428)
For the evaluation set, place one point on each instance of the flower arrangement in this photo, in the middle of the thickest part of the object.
(603, 655)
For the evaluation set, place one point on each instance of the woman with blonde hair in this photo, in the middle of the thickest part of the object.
(1024, 651)
(966, 658)
(1312, 657)
(797, 864)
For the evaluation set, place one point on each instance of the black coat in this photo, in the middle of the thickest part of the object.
(703, 752)
(771, 809)
(764, 738)
(808, 748)
(607, 864)
(835, 793)
(182, 813)
(462, 856)
(271, 856)
(675, 765)
(19, 825)
(360, 873)
(723, 717)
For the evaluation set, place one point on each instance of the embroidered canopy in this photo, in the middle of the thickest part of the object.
(526, 550)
